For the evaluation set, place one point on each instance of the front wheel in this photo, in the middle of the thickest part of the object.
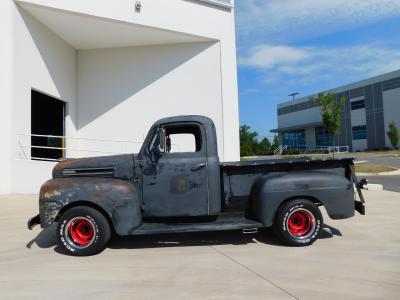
(83, 231)
(298, 222)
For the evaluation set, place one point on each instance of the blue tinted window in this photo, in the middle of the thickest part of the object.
(359, 132)
(357, 104)
(295, 139)
(322, 137)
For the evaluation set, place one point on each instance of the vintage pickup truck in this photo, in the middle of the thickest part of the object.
(166, 189)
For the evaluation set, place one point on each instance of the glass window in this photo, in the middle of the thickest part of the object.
(186, 138)
(182, 142)
(295, 139)
(323, 137)
(359, 132)
(357, 104)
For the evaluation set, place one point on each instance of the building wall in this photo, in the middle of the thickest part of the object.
(176, 15)
(359, 145)
(6, 83)
(133, 87)
(391, 108)
(193, 17)
(310, 115)
(128, 87)
(381, 96)
(44, 62)
(310, 136)
(358, 117)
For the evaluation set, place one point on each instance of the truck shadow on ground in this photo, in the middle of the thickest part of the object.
(212, 238)
(47, 239)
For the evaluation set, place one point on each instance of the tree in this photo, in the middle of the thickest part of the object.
(249, 144)
(248, 141)
(275, 143)
(331, 110)
(393, 134)
(264, 146)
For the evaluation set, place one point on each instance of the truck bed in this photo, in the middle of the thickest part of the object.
(238, 178)
(274, 165)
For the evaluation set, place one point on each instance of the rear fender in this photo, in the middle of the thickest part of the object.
(334, 191)
(118, 198)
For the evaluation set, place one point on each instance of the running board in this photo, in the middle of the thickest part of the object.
(223, 222)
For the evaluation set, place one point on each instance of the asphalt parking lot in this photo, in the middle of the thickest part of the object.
(384, 160)
(389, 182)
(357, 258)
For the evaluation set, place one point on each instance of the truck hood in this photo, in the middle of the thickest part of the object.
(114, 166)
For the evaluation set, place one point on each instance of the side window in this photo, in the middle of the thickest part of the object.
(182, 142)
(183, 139)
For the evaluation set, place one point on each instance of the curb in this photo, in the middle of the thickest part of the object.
(373, 187)
(396, 172)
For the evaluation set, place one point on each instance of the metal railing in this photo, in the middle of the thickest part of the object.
(280, 149)
(312, 149)
(69, 147)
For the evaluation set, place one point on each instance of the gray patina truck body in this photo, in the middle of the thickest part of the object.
(157, 191)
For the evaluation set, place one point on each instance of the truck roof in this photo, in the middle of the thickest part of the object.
(185, 118)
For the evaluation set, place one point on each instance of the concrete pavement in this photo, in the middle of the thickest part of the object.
(357, 258)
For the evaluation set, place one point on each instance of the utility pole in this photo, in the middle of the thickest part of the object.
(293, 95)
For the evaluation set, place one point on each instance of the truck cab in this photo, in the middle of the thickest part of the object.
(179, 181)
(176, 183)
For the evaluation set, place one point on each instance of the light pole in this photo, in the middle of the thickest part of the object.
(293, 95)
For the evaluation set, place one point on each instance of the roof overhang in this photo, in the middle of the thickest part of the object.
(296, 127)
(83, 31)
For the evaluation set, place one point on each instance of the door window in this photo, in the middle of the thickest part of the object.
(185, 138)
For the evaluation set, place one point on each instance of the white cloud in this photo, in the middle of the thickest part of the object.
(269, 56)
(277, 20)
(307, 65)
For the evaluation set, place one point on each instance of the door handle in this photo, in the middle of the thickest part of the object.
(198, 167)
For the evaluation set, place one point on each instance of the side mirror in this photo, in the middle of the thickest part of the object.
(162, 138)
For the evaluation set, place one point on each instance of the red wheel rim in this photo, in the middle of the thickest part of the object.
(300, 223)
(80, 232)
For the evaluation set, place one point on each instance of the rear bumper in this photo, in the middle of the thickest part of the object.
(32, 222)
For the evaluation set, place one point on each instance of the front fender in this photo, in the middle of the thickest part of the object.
(334, 191)
(118, 198)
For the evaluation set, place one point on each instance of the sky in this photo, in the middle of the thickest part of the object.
(308, 46)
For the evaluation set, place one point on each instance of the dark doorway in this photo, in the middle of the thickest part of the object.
(47, 118)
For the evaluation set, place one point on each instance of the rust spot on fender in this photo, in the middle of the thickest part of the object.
(124, 188)
(51, 193)
(97, 194)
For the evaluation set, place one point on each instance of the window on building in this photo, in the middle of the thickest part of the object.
(357, 104)
(295, 139)
(323, 137)
(359, 132)
(47, 127)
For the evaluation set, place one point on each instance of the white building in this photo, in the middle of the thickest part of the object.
(371, 105)
(107, 70)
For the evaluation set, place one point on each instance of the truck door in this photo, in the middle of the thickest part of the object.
(175, 179)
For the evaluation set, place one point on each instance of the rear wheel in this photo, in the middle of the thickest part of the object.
(83, 231)
(298, 222)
